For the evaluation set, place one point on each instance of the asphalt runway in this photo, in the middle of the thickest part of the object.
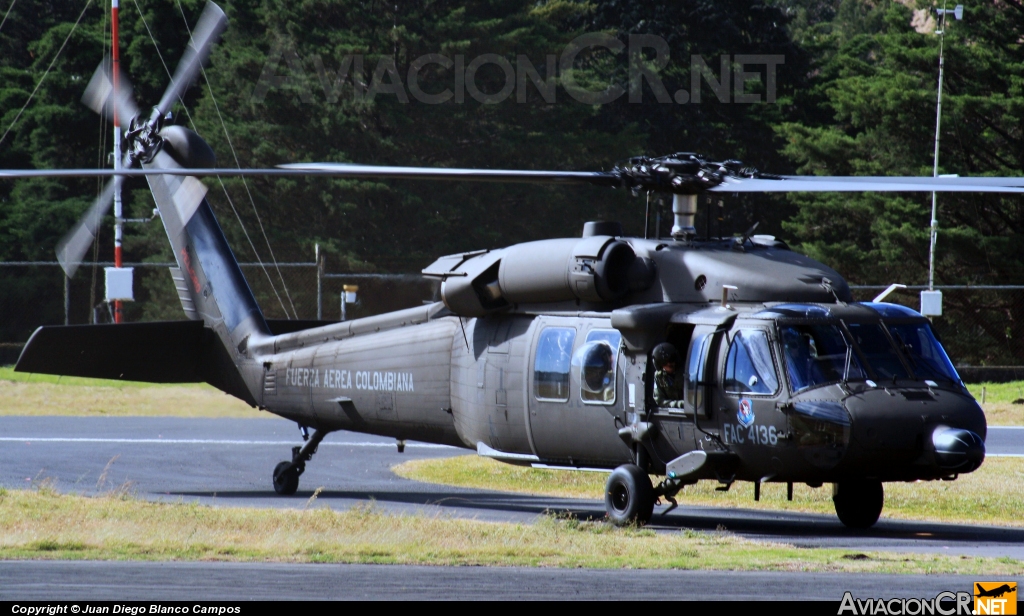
(196, 582)
(228, 462)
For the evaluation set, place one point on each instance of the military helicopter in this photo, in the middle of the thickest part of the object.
(541, 352)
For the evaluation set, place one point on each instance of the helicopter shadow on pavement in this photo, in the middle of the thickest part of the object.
(459, 503)
(767, 524)
(785, 524)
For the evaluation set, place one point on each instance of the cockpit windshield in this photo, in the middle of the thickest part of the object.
(878, 351)
(928, 358)
(817, 354)
(821, 353)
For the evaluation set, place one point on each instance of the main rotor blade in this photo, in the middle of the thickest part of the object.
(1011, 185)
(341, 170)
(866, 184)
(889, 179)
(73, 246)
(100, 96)
(436, 173)
(211, 24)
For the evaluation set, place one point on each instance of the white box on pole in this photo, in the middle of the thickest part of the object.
(119, 284)
(931, 303)
(350, 293)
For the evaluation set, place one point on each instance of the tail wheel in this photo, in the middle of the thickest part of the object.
(629, 496)
(858, 502)
(286, 479)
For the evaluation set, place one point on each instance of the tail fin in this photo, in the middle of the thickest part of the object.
(212, 289)
(213, 281)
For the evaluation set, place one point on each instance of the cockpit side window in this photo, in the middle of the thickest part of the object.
(551, 364)
(928, 358)
(749, 368)
(696, 363)
(818, 354)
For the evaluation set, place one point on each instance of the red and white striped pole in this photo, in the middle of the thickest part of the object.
(116, 78)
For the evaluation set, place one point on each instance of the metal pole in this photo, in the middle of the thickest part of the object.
(319, 284)
(935, 166)
(67, 298)
(116, 79)
(647, 216)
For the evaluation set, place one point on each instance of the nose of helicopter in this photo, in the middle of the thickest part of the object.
(957, 450)
(905, 433)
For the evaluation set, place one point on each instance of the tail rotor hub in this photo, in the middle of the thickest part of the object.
(143, 137)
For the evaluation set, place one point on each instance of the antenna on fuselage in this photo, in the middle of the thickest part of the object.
(881, 296)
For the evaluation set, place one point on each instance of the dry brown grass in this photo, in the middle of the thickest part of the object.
(999, 406)
(1004, 413)
(42, 523)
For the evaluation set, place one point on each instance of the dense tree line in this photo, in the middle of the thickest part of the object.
(324, 80)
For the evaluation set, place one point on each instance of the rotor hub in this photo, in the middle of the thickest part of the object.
(143, 137)
(682, 173)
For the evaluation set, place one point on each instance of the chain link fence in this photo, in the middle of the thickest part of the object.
(980, 325)
(37, 293)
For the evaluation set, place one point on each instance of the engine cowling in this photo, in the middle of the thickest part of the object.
(598, 269)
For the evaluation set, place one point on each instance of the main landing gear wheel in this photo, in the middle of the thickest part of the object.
(629, 496)
(286, 479)
(858, 502)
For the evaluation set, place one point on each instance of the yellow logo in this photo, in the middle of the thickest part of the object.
(995, 598)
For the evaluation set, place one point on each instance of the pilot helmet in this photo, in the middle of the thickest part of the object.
(663, 354)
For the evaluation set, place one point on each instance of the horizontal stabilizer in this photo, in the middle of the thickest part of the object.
(158, 352)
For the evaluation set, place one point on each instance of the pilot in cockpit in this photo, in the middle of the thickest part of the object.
(668, 380)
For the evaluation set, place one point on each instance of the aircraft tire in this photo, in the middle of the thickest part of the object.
(286, 479)
(858, 502)
(629, 496)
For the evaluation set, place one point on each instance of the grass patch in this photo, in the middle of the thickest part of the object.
(43, 394)
(994, 494)
(40, 524)
(999, 397)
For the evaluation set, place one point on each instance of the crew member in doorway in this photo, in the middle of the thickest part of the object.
(668, 381)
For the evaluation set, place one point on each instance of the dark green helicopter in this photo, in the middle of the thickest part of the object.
(541, 352)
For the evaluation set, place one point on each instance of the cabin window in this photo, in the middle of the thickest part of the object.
(749, 368)
(551, 364)
(596, 360)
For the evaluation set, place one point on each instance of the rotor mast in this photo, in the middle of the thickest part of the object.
(684, 213)
(118, 212)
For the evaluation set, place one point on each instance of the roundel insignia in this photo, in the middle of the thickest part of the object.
(746, 413)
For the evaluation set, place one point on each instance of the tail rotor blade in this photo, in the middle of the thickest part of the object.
(76, 243)
(100, 96)
(206, 33)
